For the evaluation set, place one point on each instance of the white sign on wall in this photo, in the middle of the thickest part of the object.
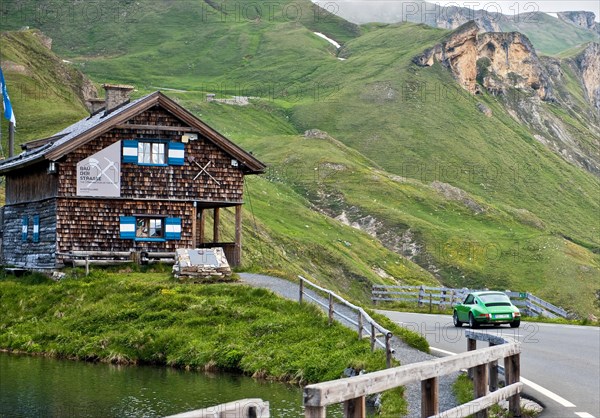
(100, 174)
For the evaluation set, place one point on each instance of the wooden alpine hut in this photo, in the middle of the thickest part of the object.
(135, 176)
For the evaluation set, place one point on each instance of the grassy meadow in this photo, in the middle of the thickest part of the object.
(441, 192)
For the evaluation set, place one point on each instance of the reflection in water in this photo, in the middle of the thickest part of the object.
(42, 387)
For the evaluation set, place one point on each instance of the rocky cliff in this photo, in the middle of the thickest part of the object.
(588, 67)
(496, 61)
(586, 20)
(531, 88)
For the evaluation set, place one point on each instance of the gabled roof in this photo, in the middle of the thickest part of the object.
(78, 134)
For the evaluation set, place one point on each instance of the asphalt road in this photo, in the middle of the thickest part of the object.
(562, 359)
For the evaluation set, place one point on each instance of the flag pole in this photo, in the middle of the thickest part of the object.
(11, 139)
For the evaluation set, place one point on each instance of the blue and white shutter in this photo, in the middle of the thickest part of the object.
(24, 225)
(127, 227)
(173, 228)
(130, 151)
(176, 153)
(36, 228)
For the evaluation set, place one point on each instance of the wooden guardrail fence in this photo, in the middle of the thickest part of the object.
(447, 297)
(483, 363)
(244, 408)
(364, 323)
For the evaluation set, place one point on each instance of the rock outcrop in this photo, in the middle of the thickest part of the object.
(453, 17)
(588, 65)
(497, 61)
(586, 20)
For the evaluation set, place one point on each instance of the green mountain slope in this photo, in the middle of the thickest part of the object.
(40, 83)
(409, 159)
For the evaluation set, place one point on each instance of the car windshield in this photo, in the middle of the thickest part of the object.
(488, 298)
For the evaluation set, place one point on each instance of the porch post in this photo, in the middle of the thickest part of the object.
(217, 221)
(194, 226)
(238, 236)
(201, 227)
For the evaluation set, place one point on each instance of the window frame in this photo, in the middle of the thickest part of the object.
(152, 142)
(148, 224)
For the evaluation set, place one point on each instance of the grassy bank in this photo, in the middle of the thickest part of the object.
(147, 318)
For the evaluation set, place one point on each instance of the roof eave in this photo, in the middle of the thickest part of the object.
(4, 171)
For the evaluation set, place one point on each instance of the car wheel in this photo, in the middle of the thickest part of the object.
(472, 322)
(457, 323)
(515, 324)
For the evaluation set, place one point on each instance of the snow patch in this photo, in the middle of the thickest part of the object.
(331, 41)
(555, 15)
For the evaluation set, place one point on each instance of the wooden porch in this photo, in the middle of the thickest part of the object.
(230, 241)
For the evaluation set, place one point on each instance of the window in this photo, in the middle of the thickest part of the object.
(151, 153)
(24, 228)
(469, 300)
(36, 228)
(149, 228)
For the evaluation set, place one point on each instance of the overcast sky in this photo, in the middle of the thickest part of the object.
(509, 7)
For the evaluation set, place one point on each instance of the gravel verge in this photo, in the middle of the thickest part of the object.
(402, 352)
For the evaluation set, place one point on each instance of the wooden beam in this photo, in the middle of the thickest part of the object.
(216, 224)
(238, 236)
(355, 408)
(429, 397)
(475, 405)
(471, 346)
(314, 412)
(480, 384)
(156, 127)
(201, 226)
(194, 221)
(493, 372)
(512, 375)
(337, 391)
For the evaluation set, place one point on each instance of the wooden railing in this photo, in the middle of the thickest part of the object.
(447, 297)
(364, 323)
(244, 408)
(483, 363)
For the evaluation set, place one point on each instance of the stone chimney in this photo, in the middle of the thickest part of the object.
(95, 105)
(116, 95)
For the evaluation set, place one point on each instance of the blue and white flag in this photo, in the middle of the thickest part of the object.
(8, 110)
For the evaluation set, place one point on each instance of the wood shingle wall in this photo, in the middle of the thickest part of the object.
(163, 182)
(91, 225)
(30, 184)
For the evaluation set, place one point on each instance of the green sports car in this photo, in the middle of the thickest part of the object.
(494, 308)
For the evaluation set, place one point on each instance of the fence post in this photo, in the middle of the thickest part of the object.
(493, 371)
(388, 350)
(471, 345)
(421, 295)
(372, 337)
(301, 294)
(355, 408)
(360, 325)
(430, 302)
(314, 412)
(87, 265)
(512, 374)
(429, 397)
(480, 383)
(330, 308)
(442, 304)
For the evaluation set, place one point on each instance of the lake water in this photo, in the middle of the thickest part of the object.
(43, 387)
